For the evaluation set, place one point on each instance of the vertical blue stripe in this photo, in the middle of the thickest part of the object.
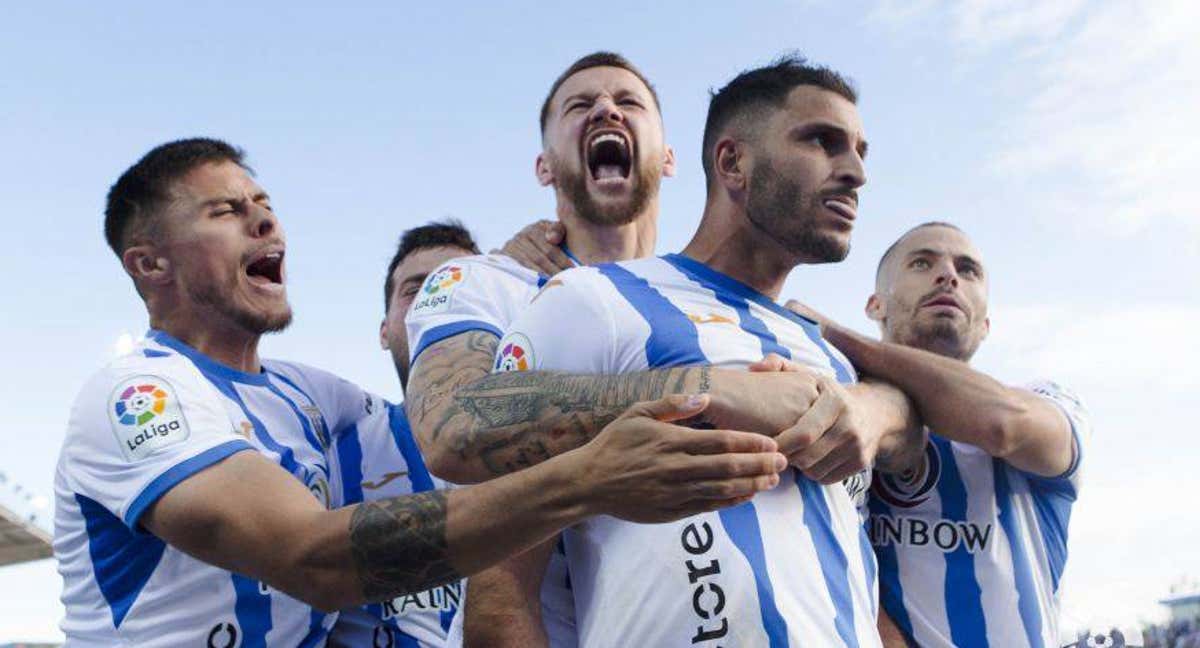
(835, 565)
(749, 322)
(674, 340)
(253, 611)
(122, 560)
(741, 525)
(723, 284)
(305, 424)
(891, 590)
(287, 458)
(869, 565)
(316, 630)
(418, 474)
(1027, 602)
(349, 454)
(964, 606)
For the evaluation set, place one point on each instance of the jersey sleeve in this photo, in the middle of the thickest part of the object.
(566, 327)
(479, 293)
(341, 402)
(1081, 431)
(142, 427)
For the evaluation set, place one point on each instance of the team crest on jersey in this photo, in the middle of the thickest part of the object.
(912, 487)
(439, 288)
(146, 416)
(318, 424)
(516, 354)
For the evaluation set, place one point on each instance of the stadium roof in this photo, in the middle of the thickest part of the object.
(1182, 598)
(24, 524)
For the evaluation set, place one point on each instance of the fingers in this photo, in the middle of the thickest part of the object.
(533, 256)
(729, 466)
(815, 422)
(803, 310)
(545, 241)
(771, 362)
(715, 442)
(670, 408)
(835, 466)
(695, 507)
(552, 231)
(726, 489)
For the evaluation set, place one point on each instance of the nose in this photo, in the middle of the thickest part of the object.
(850, 170)
(606, 110)
(262, 221)
(947, 274)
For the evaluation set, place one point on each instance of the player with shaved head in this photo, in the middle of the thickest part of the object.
(972, 541)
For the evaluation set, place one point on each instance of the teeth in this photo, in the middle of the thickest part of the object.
(609, 137)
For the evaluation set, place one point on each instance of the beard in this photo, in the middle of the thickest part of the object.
(255, 322)
(780, 208)
(941, 336)
(574, 187)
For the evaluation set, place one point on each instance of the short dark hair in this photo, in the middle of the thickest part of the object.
(892, 248)
(595, 59)
(763, 87)
(144, 187)
(447, 233)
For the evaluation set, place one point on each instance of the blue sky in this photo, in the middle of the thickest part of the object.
(1060, 135)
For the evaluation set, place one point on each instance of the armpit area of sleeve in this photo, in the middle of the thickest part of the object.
(172, 476)
(1076, 450)
(439, 333)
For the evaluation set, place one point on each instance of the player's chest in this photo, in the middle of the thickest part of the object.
(287, 427)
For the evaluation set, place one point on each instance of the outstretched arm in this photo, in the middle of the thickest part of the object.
(963, 404)
(248, 515)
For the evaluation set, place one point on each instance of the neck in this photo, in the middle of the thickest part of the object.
(213, 336)
(727, 242)
(592, 243)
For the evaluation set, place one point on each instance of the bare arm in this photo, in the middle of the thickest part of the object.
(889, 634)
(474, 425)
(246, 514)
(966, 405)
(504, 606)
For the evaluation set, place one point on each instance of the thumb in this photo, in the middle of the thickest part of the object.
(670, 408)
(553, 232)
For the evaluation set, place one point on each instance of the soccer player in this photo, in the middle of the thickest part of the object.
(972, 543)
(783, 155)
(604, 153)
(192, 489)
(377, 457)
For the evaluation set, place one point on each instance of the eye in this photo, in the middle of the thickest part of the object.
(919, 264)
(971, 271)
(409, 290)
(573, 106)
(630, 101)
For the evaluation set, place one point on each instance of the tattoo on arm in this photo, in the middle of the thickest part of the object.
(399, 545)
(510, 421)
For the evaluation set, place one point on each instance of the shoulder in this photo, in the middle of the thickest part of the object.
(1067, 399)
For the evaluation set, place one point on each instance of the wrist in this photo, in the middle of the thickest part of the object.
(568, 489)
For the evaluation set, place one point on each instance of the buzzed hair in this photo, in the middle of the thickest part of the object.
(750, 92)
(595, 59)
(447, 233)
(142, 191)
(892, 248)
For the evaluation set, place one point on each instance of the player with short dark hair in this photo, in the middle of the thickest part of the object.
(793, 566)
(193, 495)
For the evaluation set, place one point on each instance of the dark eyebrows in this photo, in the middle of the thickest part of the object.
(418, 277)
(825, 127)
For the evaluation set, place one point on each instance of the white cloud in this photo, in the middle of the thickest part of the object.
(1106, 119)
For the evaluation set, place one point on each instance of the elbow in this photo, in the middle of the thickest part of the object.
(448, 465)
(1005, 434)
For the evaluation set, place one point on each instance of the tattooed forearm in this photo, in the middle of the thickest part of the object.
(498, 423)
(399, 545)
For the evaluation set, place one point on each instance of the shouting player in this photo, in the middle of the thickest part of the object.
(192, 489)
(972, 543)
(783, 155)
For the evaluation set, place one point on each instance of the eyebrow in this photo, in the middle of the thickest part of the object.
(822, 125)
(938, 253)
(262, 195)
(416, 276)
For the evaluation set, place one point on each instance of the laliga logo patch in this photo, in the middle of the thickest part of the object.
(145, 416)
(439, 287)
(911, 488)
(516, 354)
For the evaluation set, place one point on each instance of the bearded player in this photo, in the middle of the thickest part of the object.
(972, 542)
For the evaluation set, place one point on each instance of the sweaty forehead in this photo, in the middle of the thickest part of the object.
(807, 103)
(601, 80)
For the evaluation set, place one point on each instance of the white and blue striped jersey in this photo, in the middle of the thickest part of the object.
(792, 567)
(486, 293)
(971, 550)
(375, 458)
(142, 425)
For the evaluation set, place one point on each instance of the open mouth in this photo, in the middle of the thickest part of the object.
(608, 156)
(267, 269)
(843, 205)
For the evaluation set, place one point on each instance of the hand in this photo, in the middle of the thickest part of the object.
(804, 310)
(768, 400)
(832, 440)
(641, 468)
(537, 247)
